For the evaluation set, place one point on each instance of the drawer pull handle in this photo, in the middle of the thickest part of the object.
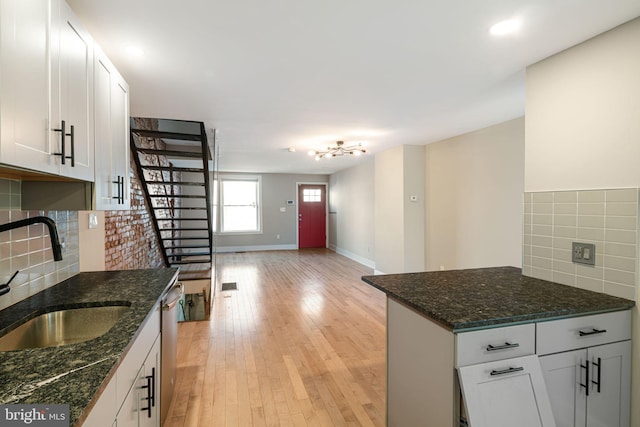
(502, 347)
(586, 383)
(506, 371)
(599, 365)
(593, 331)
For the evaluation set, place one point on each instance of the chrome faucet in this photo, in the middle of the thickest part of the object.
(53, 234)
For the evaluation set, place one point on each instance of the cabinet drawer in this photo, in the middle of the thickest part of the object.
(580, 332)
(489, 345)
(128, 369)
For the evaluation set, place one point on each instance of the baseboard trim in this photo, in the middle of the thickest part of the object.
(357, 258)
(252, 248)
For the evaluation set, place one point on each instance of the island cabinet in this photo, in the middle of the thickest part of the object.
(45, 89)
(586, 363)
(132, 396)
(493, 348)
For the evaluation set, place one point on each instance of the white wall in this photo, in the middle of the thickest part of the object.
(388, 212)
(399, 222)
(583, 128)
(351, 206)
(583, 115)
(474, 185)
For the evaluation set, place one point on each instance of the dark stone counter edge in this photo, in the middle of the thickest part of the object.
(496, 322)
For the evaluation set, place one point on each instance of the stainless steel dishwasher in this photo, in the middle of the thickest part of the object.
(169, 345)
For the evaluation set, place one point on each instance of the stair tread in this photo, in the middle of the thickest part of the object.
(168, 135)
(171, 168)
(171, 153)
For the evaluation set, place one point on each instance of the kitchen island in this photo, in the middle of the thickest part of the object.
(428, 314)
(76, 374)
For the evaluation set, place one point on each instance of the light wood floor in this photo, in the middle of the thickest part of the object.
(300, 343)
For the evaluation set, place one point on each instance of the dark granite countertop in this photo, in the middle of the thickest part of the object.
(77, 373)
(490, 297)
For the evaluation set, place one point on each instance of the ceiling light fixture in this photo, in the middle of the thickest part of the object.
(338, 150)
(503, 28)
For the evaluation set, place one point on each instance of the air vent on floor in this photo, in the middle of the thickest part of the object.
(229, 286)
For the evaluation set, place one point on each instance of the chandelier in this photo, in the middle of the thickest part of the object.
(338, 150)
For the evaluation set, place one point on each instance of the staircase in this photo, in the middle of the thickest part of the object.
(172, 159)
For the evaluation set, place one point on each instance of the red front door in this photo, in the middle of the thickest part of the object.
(312, 216)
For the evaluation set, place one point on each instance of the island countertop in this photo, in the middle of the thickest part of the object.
(75, 374)
(482, 298)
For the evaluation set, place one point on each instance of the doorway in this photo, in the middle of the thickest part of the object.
(312, 216)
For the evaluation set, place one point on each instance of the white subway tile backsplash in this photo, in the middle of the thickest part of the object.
(621, 236)
(544, 197)
(566, 232)
(565, 197)
(618, 290)
(622, 222)
(590, 234)
(589, 271)
(619, 276)
(622, 209)
(28, 249)
(591, 209)
(591, 221)
(620, 263)
(591, 196)
(542, 208)
(590, 284)
(541, 230)
(607, 218)
(565, 208)
(564, 278)
(542, 219)
(622, 195)
(565, 220)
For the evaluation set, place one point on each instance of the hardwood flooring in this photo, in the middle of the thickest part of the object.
(300, 343)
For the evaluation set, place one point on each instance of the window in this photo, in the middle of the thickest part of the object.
(240, 204)
(311, 195)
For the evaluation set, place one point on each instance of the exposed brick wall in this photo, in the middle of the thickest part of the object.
(130, 238)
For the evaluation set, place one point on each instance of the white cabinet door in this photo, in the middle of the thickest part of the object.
(111, 104)
(128, 414)
(563, 375)
(609, 399)
(506, 393)
(24, 85)
(72, 93)
(150, 397)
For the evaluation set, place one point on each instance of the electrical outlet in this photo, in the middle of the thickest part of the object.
(583, 253)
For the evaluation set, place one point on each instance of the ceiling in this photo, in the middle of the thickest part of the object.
(270, 75)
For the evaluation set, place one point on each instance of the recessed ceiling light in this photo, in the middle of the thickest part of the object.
(134, 50)
(503, 28)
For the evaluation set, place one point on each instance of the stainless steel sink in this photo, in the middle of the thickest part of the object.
(63, 327)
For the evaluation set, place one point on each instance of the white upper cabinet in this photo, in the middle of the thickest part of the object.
(111, 97)
(25, 30)
(46, 71)
(71, 93)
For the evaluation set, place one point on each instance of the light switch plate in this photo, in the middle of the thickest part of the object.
(583, 253)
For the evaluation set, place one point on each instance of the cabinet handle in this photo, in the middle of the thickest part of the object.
(120, 182)
(593, 331)
(73, 147)
(506, 371)
(63, 134)
(586, 383)
(151, 398)
(502, 347)
(599, 365)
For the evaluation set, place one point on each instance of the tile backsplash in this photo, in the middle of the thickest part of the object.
(28, 249)
(606, 218)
